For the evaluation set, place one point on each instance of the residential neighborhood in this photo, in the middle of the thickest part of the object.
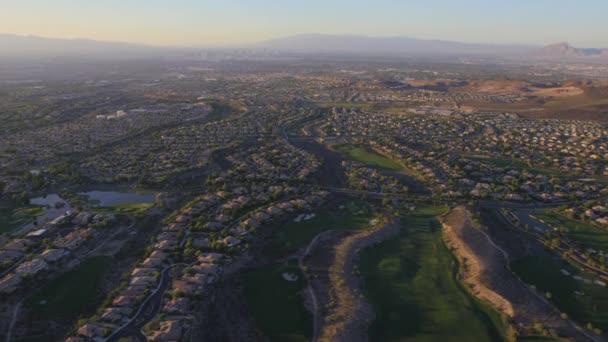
(258, 196)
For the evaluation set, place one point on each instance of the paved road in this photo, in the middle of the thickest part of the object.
(573, 324)
(315, 304)
(13, 267)
(9, 334)
(146, 313)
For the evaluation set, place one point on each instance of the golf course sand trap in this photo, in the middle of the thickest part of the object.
(290, 276)
(485, 270)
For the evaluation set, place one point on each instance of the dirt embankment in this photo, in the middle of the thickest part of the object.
(485, 270)
(479, 259)
(498, 87)
(346, 315)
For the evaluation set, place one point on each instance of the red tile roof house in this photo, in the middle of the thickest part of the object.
(148, 281)
(182, 219)
(239, 231)
(18, 244)
(75, 339)
(210, 258)
(158, 255)
(222, 218)
(168, 331)
(10, 283)
(152, 263)
(177, 306)
(70, 241)
(124, 301)
(285, 206)
(133, 291)
(184, 287)
(199, 280)
(212, 269)
(229, 206)
(299, 203)
(52, 255)
(92, 330)
(170, 236)
(251, 223)
(140, 272)
(273, 211)
(32, 267)
(243, 199)
(166, 245)
(113, 315)
(175, 227)
(262, 216)
(230, 241)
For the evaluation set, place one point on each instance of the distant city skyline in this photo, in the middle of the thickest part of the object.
(238, 22)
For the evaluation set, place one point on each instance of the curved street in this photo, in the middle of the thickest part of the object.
(147, 311)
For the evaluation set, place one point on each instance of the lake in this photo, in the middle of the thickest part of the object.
(99, 198)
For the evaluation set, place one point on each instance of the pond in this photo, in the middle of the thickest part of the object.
(525, 217)
(111, 198)
(48, 200)
(98, 198)
(95, 198)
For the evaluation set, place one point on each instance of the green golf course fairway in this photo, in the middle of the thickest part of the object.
(411, 283)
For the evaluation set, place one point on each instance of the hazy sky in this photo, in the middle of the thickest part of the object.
(204, 22)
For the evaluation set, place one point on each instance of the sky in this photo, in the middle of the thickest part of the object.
(228, 22)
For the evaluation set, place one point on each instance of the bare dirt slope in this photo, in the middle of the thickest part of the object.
(346, 314)
(569, 100)
(485, 271)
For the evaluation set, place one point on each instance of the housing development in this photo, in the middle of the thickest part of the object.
(254, 196)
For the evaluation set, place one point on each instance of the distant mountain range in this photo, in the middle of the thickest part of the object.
(412, 46)
(34, 46)
(566, 50)
(15, 45)
(387, 45)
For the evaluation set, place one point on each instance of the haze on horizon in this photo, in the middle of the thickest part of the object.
(232, 22)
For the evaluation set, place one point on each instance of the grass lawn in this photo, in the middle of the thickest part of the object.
(580, 232)
(543, 271)
(508, 162)
(68, 296)
(223, 109)
(127, 208)
(276, 304)
(353, 216)
(367, 156)
(13, 218)
(411, 282)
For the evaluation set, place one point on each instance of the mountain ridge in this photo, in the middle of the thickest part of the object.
(565, 49)
(388, 44)
(15, 45)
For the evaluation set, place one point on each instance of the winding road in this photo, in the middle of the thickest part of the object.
(309, 289)
(147, 311)
(9, 333)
